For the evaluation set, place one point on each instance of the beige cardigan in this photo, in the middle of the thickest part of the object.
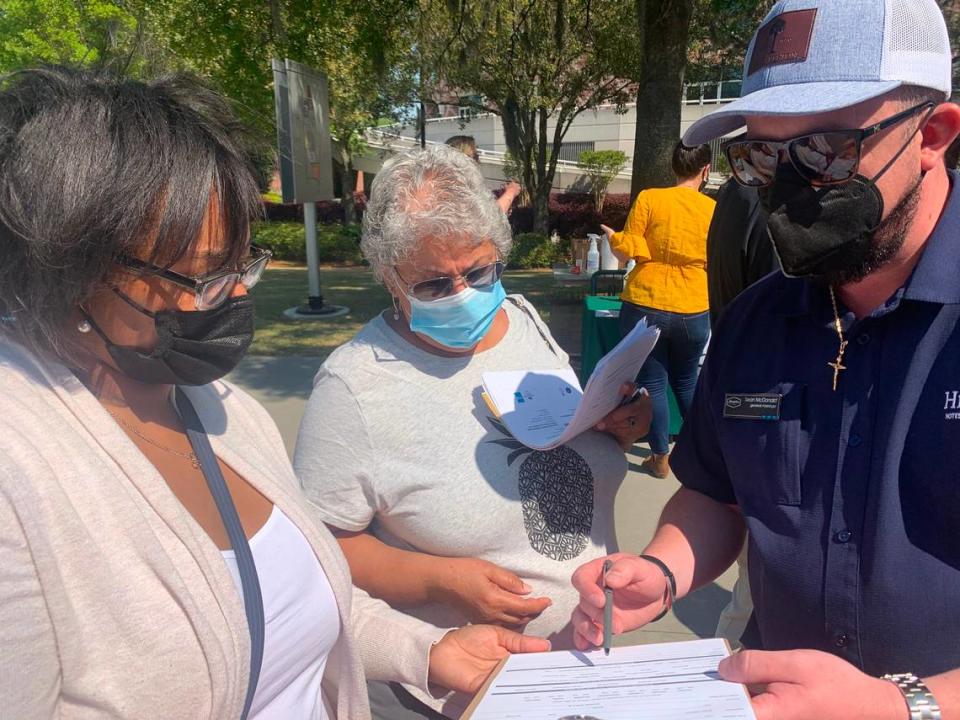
(114, 603)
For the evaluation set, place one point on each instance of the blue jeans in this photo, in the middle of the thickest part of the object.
(675, 359)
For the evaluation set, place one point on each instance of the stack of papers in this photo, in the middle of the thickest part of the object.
(544, 409)
(674, 681)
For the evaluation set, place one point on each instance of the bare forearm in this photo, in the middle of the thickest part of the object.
(946, 689)
(620, 255)
(505, 201)
(403, 578)
(698, 538)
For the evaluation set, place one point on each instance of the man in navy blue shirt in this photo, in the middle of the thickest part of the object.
(827, 417)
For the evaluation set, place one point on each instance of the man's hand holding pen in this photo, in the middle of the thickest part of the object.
(640, 593)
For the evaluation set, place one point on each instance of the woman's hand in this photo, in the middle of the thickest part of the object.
(619, 254)
(487, 593)
(464, 658)
(630, 422)
(510, 192)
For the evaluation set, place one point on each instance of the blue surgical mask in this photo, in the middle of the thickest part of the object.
(459, 321)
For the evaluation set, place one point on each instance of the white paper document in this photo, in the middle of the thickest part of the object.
(644, 682)
(547, 408)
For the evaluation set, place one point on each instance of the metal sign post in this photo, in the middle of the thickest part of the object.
(306, 166)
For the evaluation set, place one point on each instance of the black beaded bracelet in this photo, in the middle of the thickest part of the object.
(671, 594)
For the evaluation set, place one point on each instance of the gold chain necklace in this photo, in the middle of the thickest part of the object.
(837, 364)
(186, 456)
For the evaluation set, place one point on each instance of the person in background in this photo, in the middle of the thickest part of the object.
(739, 251)
(137, 571)
(467, 144)
(439, 509)
(666, 234)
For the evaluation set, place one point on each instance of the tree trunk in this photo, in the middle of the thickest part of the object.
(347, 183)
(349, 206)
(541, 210)
(667, 25)
(276, 21)
(528, 140)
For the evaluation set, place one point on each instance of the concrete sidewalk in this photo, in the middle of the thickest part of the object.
(283, 386)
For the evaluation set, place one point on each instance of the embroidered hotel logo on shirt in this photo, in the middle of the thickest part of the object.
(952, 405)
(785, 39)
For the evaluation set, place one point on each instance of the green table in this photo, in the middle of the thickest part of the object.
(599, 335)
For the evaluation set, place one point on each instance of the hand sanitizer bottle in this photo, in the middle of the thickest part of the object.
(593, 256)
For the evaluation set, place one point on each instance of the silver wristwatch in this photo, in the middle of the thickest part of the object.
(920, 701)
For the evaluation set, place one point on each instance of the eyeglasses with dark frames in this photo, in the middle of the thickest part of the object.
(831, 157)
(441, 287)
(212, 290)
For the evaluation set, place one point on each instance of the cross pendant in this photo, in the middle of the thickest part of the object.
(838, 365)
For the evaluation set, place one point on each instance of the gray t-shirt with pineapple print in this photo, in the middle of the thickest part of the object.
(400, 440)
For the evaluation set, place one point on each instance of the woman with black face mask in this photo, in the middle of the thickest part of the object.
(157, 558)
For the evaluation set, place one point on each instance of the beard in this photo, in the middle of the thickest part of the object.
(886, 242)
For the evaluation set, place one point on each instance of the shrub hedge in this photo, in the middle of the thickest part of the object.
(532, 250)
(328, 211)
(573, 214)
(336, 243)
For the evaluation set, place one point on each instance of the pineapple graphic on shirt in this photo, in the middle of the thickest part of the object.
(556, 490)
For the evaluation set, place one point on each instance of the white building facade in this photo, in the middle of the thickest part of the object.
(603, 128)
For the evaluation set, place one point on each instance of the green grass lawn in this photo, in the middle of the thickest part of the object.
(285, 287)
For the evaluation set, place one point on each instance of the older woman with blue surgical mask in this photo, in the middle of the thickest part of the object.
(439, 511)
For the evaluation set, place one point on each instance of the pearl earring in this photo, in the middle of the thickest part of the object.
(396, 310)
(84, 327)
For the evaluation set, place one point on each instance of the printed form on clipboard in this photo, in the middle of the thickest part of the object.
(665, 681)
(544, 409)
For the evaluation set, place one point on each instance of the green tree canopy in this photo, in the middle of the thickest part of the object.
(720, 32)
(231, 44)
(69, 32)
(234, 42)
(538, 64)
(601, 167)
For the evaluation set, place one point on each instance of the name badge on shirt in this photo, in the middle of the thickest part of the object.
(752, 406)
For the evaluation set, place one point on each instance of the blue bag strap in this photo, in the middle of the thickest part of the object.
(250, 582)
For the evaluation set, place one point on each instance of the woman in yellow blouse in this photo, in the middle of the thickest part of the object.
(666, 234)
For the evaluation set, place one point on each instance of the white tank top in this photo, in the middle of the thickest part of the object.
(302, 621)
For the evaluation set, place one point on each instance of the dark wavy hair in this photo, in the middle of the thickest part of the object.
(688, 161)
(92, 168)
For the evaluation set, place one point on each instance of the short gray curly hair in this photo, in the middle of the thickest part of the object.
(432, 192)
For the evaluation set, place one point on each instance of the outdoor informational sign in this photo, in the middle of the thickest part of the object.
(303, 132)
(306, 165)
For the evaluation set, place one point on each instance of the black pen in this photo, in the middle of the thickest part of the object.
(637, 393)
(607, 609)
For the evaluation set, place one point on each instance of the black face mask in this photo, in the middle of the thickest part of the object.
(821, 231)
(193, 347)
(824, 232)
